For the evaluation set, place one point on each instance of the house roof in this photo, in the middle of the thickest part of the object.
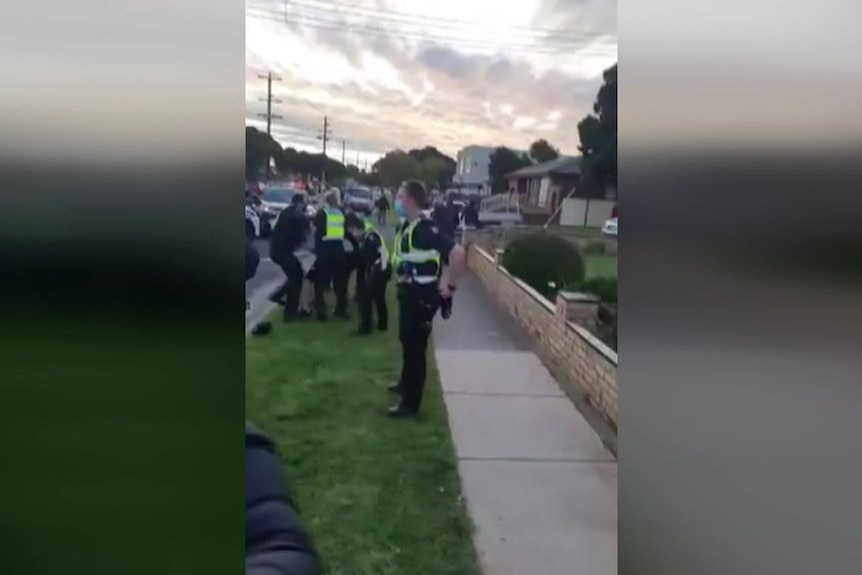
(565, 165)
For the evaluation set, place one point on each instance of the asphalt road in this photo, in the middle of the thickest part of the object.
(269, 276)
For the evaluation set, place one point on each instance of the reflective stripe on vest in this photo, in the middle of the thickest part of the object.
(414, 258)
(384, 251)
(334, 224)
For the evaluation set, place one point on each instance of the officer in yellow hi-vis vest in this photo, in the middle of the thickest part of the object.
(418, 255)
(372, 273)
(331, 263)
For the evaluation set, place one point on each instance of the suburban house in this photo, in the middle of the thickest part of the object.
(542, 187)
(471, 174)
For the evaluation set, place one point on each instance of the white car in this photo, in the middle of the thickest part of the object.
(610, 228)
(274, 200)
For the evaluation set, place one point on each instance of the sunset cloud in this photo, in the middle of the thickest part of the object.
(385, 90)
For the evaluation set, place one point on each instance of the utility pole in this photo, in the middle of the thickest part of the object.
(343, 143)
(269, 115)
(324, 137)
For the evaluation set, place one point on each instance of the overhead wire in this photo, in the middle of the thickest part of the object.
(376, 31)
(445, 24)
(424, 18)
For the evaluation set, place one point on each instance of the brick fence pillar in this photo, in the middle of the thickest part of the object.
(580, 308)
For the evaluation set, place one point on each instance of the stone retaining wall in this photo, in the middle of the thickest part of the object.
(588, 367)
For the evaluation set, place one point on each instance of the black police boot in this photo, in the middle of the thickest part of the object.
(401, 412)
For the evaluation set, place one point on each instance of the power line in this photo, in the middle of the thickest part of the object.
(569, 40)
(326, 24)
(424, 18)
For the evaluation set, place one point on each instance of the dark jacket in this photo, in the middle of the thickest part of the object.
(371, 258)
(275, 542)
(471, 215)
(289, 233)
(445, 217)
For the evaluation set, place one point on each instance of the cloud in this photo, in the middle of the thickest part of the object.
(523, 122)
(381, 91)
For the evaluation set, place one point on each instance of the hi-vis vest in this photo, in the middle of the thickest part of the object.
(334, 224)
(383, 254)
(413, 265)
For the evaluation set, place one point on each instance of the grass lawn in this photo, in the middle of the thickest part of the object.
(378, 496)
(600, 265)
(588, 233)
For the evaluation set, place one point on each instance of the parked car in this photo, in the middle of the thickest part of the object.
(610, 228)
(273, 200)
(358, 199)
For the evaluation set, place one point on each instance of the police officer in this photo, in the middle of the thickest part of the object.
(288, 235)
(355, 261)
(331, 262)
(418, 256)
(375, 271)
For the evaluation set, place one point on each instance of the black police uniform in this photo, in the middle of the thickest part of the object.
(290, 231)
(418, 302)
(355, 260)
(376, 271)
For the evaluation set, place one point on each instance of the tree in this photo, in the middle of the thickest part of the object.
(395, 167)
(598, 133)
(437, 166)
(428, 165)
(541, 151)
(504, 161)
(259, 147)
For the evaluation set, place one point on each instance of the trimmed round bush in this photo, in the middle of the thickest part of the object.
(603, 287)
(548, 263)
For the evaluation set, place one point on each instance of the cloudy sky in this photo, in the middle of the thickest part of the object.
(408, 73)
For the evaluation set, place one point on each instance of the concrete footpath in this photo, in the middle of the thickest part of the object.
(540, 487)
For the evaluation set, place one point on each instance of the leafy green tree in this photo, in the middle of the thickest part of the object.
(541, 151)
(438, 168)
(598, 133)
(259, 147)
(395, 167)
(504, 161)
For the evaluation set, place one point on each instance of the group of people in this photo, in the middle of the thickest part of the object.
(276, 542)
(325, 251)
(319, 256)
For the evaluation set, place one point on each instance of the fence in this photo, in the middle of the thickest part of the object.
(586, 367)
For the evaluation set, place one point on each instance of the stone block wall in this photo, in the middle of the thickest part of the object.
(582, 359)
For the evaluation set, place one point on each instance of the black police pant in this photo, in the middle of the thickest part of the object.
(291, 288)
(372, 294)
(331, 270)
(417, 307)
(358, 266)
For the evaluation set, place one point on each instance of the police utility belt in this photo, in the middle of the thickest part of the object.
(408, 271)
